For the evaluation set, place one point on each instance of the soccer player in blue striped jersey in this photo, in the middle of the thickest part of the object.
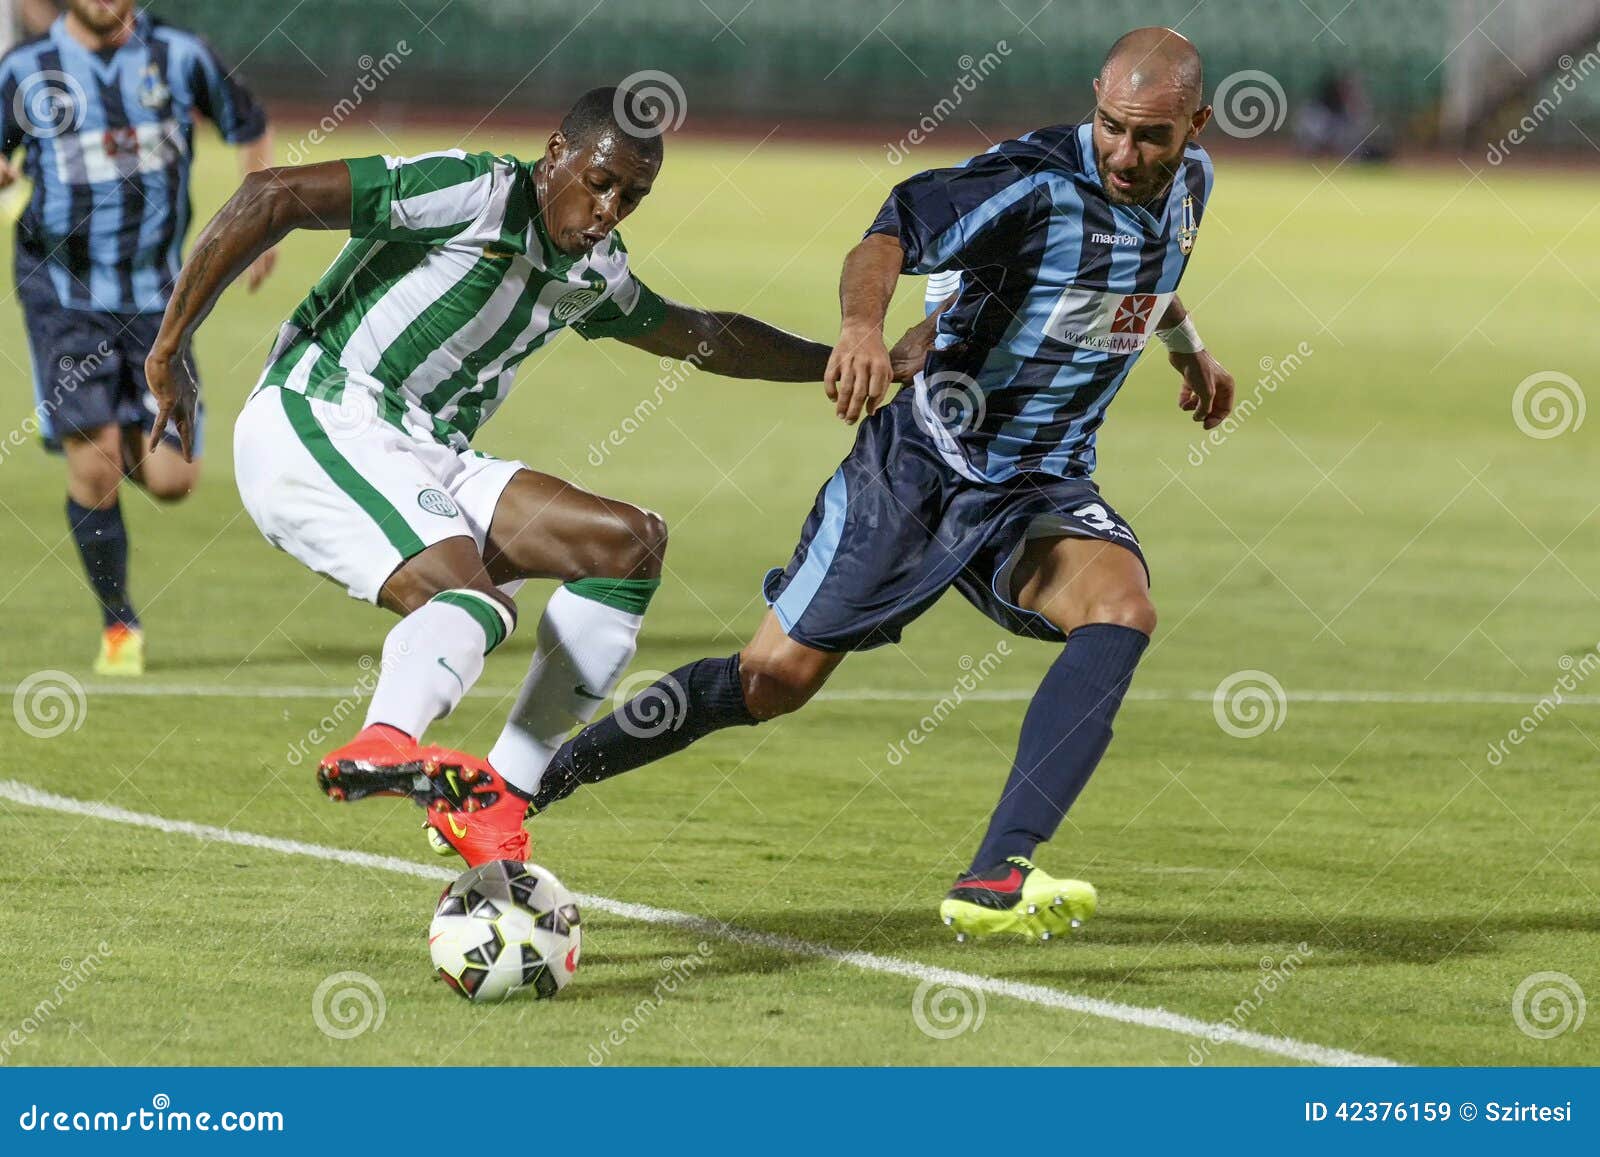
(1063, 251)
(103, 105)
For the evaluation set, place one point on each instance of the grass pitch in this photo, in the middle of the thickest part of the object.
(1378, 536)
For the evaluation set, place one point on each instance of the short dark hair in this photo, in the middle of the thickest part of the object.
(611, 111)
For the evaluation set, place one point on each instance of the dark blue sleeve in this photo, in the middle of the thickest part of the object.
(10, 125)
(962, 218)
(224, 99)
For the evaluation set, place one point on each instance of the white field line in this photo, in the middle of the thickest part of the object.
(1157, 1018)
(861, 695)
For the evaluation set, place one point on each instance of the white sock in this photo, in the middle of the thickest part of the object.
(584, 647)
(433, 655)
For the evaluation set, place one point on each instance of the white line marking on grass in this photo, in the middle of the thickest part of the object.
(862, 695)
(1157, 1018)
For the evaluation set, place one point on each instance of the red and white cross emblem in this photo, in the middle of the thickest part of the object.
(1133, 314)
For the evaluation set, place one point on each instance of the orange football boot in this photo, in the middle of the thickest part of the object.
(382, 760)
(478, 815)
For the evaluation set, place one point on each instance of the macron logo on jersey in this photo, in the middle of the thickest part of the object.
(1113, 239)
(1113, 323)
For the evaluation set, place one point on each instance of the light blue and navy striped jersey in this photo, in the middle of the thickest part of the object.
(109, 139)
(1058, 291)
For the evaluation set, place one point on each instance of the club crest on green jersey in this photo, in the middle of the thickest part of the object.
(570, 305)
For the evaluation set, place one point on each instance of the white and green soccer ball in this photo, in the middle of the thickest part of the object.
(503, 927)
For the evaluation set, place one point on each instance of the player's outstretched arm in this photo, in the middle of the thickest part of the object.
(733, 345)
(739, 346)
(1207, 389)
(267, 207)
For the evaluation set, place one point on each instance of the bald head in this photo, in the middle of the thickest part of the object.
(1148, 107)
(1152, 61)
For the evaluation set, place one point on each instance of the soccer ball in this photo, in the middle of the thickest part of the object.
(502, 927)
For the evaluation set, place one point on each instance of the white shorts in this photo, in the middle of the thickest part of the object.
(354, 497)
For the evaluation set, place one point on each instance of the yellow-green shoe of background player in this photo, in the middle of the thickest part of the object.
(1016, 898)
(121, 652)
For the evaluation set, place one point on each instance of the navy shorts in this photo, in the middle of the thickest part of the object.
(895, 527)
(88, 365)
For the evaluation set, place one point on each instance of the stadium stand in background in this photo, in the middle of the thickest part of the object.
(1455, 73)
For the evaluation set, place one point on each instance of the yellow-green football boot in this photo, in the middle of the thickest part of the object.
(121, 652)
(1016, 898)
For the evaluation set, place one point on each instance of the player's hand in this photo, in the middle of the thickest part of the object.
(859, 372)
(260, 269)
(9, 173)
(1207, 389)
(910, 353)
(170, 373)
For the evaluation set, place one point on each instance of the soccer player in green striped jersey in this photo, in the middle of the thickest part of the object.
(353, 454)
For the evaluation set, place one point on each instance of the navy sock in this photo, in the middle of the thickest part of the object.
(103, 543)
(1065, 732)
(664, 718)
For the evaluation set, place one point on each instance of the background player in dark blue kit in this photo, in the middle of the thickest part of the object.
(104, 106)
(1069, 245)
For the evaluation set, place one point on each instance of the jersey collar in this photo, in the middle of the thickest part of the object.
(551, 259)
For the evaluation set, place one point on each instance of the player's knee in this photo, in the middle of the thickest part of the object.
(93, 473)
(773, 686)
(1125, 609)
(633, 545)
(649, 532)
(173, 487)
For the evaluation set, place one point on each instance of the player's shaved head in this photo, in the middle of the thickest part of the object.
(623, 116)
(1149, 104)
(1155, 59)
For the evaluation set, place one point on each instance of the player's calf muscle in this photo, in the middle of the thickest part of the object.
(778, 675)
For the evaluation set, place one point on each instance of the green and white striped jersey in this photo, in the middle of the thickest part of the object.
(447, 282)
